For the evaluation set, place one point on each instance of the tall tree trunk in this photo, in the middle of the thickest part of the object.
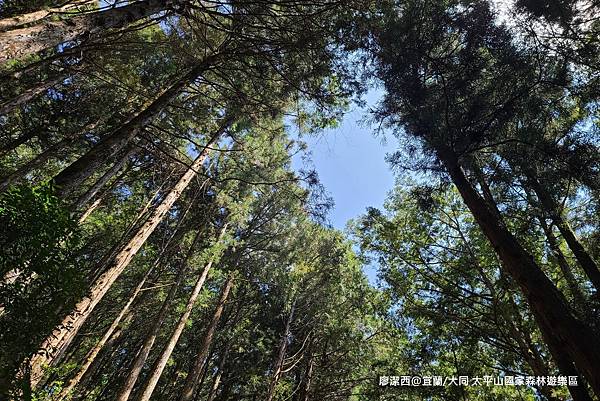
(217, 380)
(278, 366)
(531, 354)
(93, 353)
(142, 355)
(30, 93)
(308, 374)
(162, 360)
(102, 181)
(34, 16)
(563, 265)
(562, 331)
(86, 165)
(38, 161)
(22, 42)
(100, 197)
(191, 381)
(585, 260)
(62, 335)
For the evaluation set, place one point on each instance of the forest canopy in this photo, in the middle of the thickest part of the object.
(158, 242)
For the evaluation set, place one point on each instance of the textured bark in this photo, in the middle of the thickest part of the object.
(278, 366)
(34, 16)
(73, 175)
(93, 353)
(61, 337)
(141, 357)
(191, 381)
(26, 41)
(562, 331)
(162, 360)
(103, 180)
(584, 259)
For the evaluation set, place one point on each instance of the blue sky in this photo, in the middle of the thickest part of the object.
(350, 161)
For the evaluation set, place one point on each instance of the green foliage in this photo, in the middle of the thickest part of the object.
(39, 269)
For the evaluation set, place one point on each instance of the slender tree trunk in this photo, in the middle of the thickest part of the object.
(528, 349)
(217, 380)
(30, 93)
(26, 41)
(585, 260)
(73, 175)
(162, 360)
(61, 337)
(308, 374)
(102, 181)
(563, 265)
(38, 161)
(142, 355)
(562, 331)
(34, 16)
(281, 354)
(93, 353)
(191, 381)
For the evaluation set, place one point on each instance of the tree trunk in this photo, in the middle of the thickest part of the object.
(217, 380)
(562, 331)
(162, 360)
(308, 374)
(29, 94)
(73, 175)
(585, 260)
(142, 355)
(191, 380)
(62, 335)
(27, 41)
(38, 161)
(563, 266)
(102, 181)
(281, 354)
(34, 16)
(93, 353)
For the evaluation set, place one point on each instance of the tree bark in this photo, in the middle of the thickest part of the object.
(93, 353)
(563, 265)
(142, 355)
(191, 380)
(162, 360)
(34, 16)
(562, 331)
(281, 354)
(102, 181)
(585, 260)
(27, 41)
(73, 175)
(62, 335)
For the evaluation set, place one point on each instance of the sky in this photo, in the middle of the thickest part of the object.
(350, 162)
